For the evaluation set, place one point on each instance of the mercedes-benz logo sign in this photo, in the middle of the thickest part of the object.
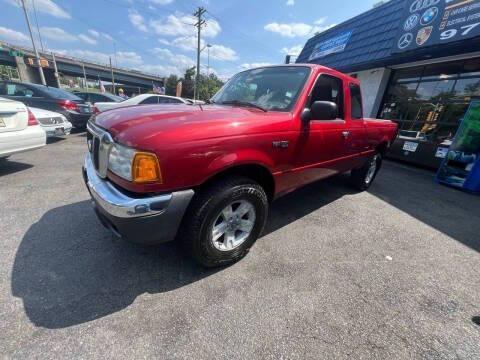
(405, 40)
(411, 22)
(429, 15)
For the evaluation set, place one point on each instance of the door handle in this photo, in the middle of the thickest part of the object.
(345, 134)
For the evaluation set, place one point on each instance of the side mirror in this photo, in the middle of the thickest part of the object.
(323, 110)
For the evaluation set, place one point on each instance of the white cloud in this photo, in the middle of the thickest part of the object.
(247, 66)
(137, 20)
(182, 25)
(47, 7)
(171, 63)
(129, 58)
(320, 21)
(164, 42)
(294, 50)
(298, 29)
(87, 39)
(223, 53)
(290, 2)
(94, 33)
(187, 43)
(13, 36)
(218, 52)
(57, 34)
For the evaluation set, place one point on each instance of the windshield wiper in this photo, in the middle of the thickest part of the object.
(243, 103)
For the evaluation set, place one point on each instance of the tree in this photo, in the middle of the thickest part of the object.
(171, 85)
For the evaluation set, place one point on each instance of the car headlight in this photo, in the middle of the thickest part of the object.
(132, 165)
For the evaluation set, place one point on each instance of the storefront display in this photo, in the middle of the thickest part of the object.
(428, 103)
(461, 167)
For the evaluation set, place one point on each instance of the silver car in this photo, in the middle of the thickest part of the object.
(54, 124)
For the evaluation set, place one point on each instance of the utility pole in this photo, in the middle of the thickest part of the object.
(200, 22)
(113, 79)
(38, 28)
(40, 69)
(56, 69)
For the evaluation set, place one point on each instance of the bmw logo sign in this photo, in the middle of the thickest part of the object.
(429, 15)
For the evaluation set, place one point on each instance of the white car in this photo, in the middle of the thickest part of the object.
(19, 129)
(140, 100)
(54, 124)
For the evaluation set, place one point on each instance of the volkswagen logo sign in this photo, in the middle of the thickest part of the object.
(405, 41)
(419, 5)
(411, 22)
(429, 15)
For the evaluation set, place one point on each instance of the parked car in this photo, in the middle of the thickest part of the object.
(19, 129)
(94, 97)
(48, 98)
(143, 99)
(54, 124)
(206, 175)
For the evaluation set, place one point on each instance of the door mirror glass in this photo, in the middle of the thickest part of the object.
(323, 110)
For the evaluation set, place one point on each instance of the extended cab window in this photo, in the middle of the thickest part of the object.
(328, 88)
(356, 101)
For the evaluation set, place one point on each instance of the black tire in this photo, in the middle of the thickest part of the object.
(360, 178)
(196, 229)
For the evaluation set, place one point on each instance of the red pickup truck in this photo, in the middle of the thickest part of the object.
(205, 174)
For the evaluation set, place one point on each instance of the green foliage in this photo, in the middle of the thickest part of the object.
(207, 87)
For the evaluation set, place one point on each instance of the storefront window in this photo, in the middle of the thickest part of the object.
(429, 102)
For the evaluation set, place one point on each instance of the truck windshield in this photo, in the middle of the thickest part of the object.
(270, 88)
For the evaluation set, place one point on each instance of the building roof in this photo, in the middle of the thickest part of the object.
(374, 34)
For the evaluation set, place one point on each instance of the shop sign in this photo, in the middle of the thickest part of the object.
(333, 45)
(436, 22)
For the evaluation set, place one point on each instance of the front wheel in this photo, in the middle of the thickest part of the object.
(224, 221)
(363, 177)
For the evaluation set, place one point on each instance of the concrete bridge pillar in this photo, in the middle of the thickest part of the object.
(26, 73)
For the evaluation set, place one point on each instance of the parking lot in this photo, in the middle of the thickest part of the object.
(390, 273)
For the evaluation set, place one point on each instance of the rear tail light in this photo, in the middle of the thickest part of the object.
(95, 110)
(32, 120)
(68, 105)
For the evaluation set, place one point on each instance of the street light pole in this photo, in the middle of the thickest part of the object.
(199, 13)
(40, 69)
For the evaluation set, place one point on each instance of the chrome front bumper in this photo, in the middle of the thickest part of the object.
(148, 220)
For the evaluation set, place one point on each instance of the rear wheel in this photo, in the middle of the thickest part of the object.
(224, 221)
(363, 177)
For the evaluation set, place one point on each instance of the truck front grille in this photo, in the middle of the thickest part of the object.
(99, 144)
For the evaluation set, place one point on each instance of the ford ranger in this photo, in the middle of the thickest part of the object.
(205, 174)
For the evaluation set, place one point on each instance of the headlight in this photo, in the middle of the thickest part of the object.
(132, 165)
(120, 161)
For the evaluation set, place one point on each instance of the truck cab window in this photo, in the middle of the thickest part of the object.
(328, 88)
(356, 101)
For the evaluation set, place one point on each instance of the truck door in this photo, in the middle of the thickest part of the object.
(356, 139)
(321, 146)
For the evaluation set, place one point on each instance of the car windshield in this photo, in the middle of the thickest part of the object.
(270, 88)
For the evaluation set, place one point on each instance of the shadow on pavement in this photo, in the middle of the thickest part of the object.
(69, 270)
(306, 200)
(8, 167)
(413, 191)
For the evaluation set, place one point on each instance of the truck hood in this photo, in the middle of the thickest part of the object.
(147, 126)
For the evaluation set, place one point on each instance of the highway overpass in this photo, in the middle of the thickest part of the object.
(21, 59)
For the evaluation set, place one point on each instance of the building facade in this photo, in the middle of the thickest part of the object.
(419, 64)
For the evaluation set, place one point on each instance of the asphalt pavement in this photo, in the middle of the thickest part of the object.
(389, 273)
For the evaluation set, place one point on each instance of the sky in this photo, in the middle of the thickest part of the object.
(158, 36)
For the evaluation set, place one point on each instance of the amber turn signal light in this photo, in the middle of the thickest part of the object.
(145, 168)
